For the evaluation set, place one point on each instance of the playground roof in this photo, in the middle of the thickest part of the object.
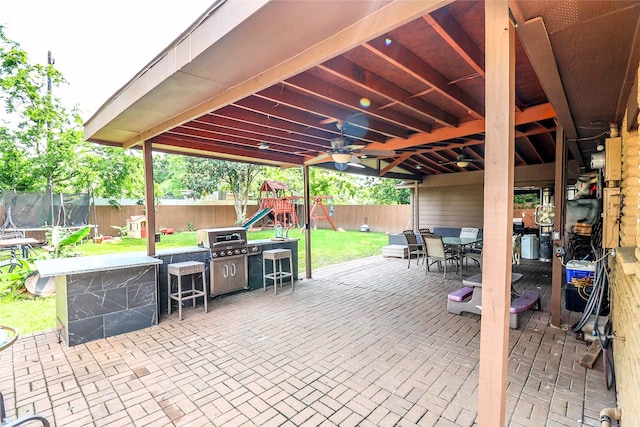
(270, 185)
(267, 82)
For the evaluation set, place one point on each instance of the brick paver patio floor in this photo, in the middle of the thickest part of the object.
(364, 343)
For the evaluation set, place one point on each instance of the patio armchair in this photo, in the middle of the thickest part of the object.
(474, 254)
(471, 233)
(415, 248)
(435, 253)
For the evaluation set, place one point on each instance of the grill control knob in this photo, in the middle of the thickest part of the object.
(237, 251)
(254, 249)
(230, 252)
(214, 254)
(244, 250)
(221, 253)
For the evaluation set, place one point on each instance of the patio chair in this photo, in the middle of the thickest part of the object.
(435, 252)
(415, 248)
(469, 233)
(475, 255)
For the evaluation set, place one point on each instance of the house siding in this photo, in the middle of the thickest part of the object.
(451, 206)
(625, 288)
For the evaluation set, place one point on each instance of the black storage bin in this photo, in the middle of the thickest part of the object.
(574, 302)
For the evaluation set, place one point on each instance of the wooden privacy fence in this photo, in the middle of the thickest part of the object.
(380, 218)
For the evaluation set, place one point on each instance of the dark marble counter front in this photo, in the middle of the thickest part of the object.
(255, 261)
(102, 296)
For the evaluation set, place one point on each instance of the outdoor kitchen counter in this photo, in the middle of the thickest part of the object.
(103, 295)
(255, 261)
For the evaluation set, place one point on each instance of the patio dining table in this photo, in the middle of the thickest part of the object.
(458, 244)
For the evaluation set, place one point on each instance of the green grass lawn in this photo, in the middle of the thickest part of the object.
(30, 314)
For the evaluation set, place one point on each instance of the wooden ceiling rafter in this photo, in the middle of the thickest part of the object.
(255, 119)
(367, 80)
(270, 135)
(283, 96)
(252, 139)
(301, 120)
(397, 161)
(213, 147)
(427, 163)
(332, 94)
(451, 32)
(531, 114)
(405, 60)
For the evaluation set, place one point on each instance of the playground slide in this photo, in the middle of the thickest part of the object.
(255, 218)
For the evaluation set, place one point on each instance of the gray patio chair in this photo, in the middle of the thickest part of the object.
(469, 233)
(475, 255)
(435, 252)
(415, 248)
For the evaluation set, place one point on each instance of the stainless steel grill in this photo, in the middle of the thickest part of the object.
(229, 266)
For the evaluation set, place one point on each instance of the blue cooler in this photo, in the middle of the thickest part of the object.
(580, 273)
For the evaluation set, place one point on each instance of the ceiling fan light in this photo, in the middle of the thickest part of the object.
(341, 157)
(462, 164)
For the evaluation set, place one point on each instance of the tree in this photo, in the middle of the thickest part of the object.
(42, 144)
(343, 187)
(208, 175)
(383, 191)
(168, 172)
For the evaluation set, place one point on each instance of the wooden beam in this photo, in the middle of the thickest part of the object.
(535, 41)
(449, 29)
(365, 79)
(558, 225)
(405, 60)
(149, 198)
(216, 149)
(533, 148)
(530, 115)
(333, 94)
(307, 220)
(498, 213)
(395, 163)
(282, 96)
(275, 131)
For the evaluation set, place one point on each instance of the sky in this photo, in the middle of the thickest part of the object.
(97, 46)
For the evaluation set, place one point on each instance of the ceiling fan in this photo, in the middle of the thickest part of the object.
(461, 160)
(345, 153)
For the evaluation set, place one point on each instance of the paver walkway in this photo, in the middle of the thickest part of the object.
(364, 343)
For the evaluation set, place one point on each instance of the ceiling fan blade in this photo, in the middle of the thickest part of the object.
(377, 153)
(356, 165)
(325, 157)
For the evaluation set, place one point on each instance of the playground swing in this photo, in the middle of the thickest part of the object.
(319, 204)
(280, 208)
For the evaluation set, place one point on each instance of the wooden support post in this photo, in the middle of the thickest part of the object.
(307, 221)
(558, 225)
(149, 198)
(498, 212)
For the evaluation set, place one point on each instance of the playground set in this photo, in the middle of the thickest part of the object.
(277, 207)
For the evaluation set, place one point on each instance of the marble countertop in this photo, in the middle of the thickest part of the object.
(262, 241)
(88, 264)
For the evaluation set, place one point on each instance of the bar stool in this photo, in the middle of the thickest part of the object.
(276, 256)
(179, 270)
